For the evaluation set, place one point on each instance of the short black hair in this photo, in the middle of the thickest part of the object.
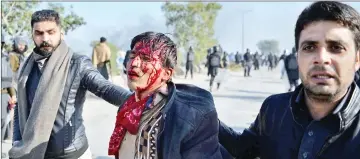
(159, 41)
(45, 15)
(329, 11)
(102, 39)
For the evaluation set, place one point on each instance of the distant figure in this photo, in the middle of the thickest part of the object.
(8, 96)
(190, 62)
(238, 58)
(225, 60)
(282, 57)
(17, 56)
(247, 63)
(292, 69)
(101, 57)
(214, 64)
(271, 61)
(256, 61)
(208, 60)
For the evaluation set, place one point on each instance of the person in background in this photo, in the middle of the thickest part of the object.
(101, 58)
(17, 56)
(190, 57)
(8, 95)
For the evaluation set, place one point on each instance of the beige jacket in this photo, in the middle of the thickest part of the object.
(101, 53)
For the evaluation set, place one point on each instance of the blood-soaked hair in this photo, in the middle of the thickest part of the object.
(158, 41)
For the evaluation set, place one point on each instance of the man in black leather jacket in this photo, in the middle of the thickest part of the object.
(320, 119)
(66, 136)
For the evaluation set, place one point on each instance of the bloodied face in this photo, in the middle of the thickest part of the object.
(145, 67)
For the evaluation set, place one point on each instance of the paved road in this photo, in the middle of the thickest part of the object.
(237, 102)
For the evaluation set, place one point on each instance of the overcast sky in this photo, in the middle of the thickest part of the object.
(120, 21)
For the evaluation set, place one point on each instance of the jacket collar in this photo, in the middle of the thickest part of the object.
(347, 109)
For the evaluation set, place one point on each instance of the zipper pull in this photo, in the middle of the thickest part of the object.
(70, 123)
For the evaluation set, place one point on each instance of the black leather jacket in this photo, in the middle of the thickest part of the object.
(68, 138)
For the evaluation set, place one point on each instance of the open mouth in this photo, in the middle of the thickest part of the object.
(132, 74)
(322, 77)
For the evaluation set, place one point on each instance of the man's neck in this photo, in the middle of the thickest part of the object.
(143, 94)
(319, 109)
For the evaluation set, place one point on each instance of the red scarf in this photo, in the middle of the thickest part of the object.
(127, 119)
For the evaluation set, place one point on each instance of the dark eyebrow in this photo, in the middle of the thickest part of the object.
(335, 42)
(53, 29)
(309, 42)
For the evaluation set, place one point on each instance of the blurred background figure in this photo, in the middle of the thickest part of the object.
(8, 96)
(101, 58)
(292, 69)
(17, 56)
(190, 57)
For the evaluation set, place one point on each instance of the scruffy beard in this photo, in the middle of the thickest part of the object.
(43, 52)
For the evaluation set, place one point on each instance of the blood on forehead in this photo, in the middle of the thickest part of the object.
(146, 48)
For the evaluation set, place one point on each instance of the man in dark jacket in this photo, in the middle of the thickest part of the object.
(214, 64)
(292, 69)
(321, 118)
(190, 57)
(248, 63)
(51, 92)
(162, 119)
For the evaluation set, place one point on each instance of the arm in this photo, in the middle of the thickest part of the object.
(93, 81)
(203, 141)
(11, 91)
(239, 144)
(246, 144)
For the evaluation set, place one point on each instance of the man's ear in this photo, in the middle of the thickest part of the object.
(62, 34)
(357, 60)
(167, 74)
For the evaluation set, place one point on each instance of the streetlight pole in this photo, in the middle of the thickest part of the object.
(243, 28)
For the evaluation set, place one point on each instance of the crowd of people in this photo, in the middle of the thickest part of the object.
(162, 119)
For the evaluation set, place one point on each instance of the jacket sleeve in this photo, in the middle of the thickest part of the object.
(246, 144)
(16, 130)
(204, 142)
(93, 81)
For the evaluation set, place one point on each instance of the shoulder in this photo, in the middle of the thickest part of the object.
(78, 58)
(276, 102)
(194, 99)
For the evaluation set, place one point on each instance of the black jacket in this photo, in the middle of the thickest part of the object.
(68, 138)
(283, 131)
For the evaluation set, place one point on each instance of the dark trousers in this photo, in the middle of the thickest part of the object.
(103, 70)
(189, 67)
(247, 69)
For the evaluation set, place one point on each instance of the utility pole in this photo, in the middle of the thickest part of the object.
(243, 28)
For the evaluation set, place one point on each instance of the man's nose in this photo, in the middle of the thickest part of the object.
(323, 56)
(135, 62)
(45, 37)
